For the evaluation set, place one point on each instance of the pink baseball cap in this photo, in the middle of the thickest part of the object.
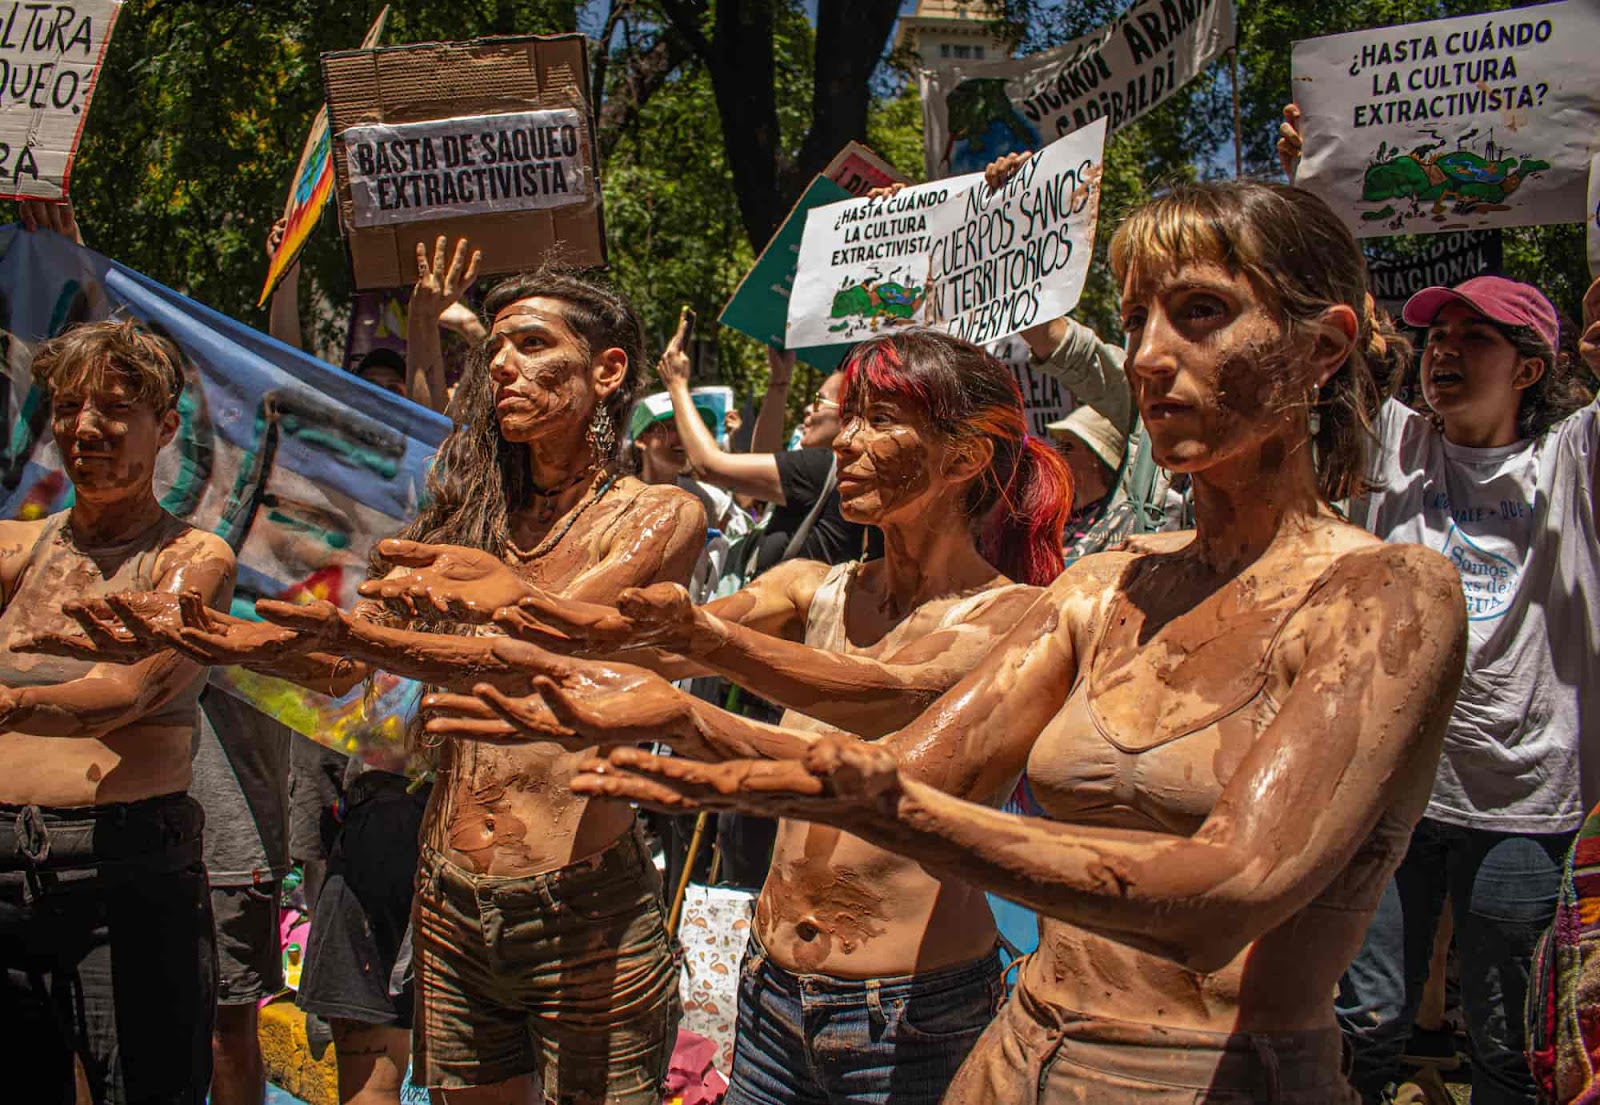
(1494, 297)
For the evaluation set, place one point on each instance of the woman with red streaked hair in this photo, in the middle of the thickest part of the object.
(866, 978)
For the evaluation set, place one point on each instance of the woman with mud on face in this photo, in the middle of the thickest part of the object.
(106, 938)
(541, 955)
(866, 978)
(1231, 739)
(1499, 472)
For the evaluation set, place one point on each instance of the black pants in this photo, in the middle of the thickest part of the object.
(107, 951)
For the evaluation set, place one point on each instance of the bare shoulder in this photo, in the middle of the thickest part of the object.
(660, 498)
(1398, 604)
(17, 539)
(1408, 577)
(196, 560)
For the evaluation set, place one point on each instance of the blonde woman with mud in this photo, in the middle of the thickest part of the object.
(1231, 737)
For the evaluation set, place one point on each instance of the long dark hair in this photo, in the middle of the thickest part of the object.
(1557, 392)
(1299, 256)
(479, 478)
(1020, 502)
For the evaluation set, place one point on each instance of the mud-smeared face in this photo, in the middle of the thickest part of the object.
(108, 440)
(1211, 368)
(889, 461)
(542, 370)
(821, 422)
(1469, 368)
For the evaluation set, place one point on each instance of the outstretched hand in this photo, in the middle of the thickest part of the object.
(1290, 141)
(50, 215)
(221, 639)
(840, 781)
(445, 581)
(659, 616)
(116, 629)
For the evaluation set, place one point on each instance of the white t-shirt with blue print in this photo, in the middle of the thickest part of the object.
(1519, 524)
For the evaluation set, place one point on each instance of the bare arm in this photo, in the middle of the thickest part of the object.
(112, 696)
(283, 310)
(1358, 736)
(752, 473)
(437, 287)
(767, 436)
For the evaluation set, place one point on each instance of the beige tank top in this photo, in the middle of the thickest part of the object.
(58, 570)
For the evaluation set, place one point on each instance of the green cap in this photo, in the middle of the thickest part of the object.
(658, 408)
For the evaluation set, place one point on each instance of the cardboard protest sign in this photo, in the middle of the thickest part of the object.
(863, 265)
(972, 114)
(50, 55)
(1454, 124)
(858, 170)
(1003, 260)
(490, 139)
(312, 185)
(760, 305)
(1442, 259)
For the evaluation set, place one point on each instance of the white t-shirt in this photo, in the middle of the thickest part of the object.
(1519, 524)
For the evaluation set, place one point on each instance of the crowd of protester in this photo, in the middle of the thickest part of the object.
(1291, 672)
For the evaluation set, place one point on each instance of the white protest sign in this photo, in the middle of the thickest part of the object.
(1044, 399)
(50, 55)
(1594, 217)
(974, 113)
(473, 165)
(1003, 260)
(863, 265)
(1454, 124)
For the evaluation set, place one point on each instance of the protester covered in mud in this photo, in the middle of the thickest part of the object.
(1231, 737)
(1498, 472)
(540, 948)
(865, 978)
(105, 920)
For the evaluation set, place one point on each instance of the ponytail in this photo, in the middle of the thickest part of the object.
(1022, 535)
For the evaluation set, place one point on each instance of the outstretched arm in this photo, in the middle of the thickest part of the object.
(437, 288)
(1357, 737)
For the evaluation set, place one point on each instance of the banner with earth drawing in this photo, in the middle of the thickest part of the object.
(1454, 124)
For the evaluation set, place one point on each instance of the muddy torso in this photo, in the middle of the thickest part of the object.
(143, 759)
(508, 809)
(1166, 705)
(834, 904)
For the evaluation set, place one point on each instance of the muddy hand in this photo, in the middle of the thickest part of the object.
(102, 639)
(661, 616)
(444, 581)
(615, 704)
(567, 624)
(675, 785)
(464, 717)
(220, 639)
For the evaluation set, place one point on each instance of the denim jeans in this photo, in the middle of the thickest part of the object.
(1502, 888)
(818, 1040)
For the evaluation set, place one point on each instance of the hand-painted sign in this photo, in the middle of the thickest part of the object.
(50, 55)
(1454, 124)
(972, 114)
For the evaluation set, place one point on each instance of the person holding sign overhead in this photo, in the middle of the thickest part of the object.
(1500, 474)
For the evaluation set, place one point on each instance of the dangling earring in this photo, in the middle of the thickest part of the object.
(1314, 417)
(602, 436)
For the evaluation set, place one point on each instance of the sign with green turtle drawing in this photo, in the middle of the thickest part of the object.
(863, 265)
(1454, 124)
